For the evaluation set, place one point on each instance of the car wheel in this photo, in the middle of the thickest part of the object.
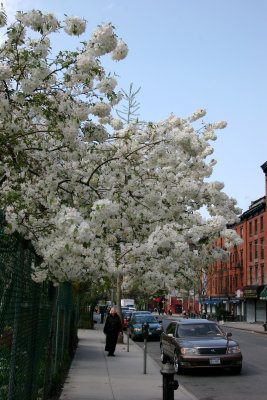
(177, 367)
(163, 356)
(236, 370)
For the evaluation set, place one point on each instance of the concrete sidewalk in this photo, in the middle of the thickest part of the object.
(246, 326)
(94, 376)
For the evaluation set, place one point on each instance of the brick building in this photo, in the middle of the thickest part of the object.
(240, 286)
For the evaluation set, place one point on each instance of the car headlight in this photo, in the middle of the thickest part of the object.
(233, 350)
(189, 351)
(137, 329)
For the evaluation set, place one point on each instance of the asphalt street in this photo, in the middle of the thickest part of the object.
(220, 385)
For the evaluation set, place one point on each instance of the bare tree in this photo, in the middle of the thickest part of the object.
(129, 111)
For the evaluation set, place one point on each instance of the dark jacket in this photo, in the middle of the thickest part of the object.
(113, 324)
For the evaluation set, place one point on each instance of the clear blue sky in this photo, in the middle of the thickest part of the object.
(190, 54)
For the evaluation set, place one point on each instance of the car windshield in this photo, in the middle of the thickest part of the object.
(139, 319)
(193, 330)
(126, 313)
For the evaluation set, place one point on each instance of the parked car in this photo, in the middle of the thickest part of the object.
(199, 343)
(155, 329)
(141, 313)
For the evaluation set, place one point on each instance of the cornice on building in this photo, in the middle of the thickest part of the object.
(257, 207)
(264, 167)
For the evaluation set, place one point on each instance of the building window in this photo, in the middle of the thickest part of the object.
(250, 275)
(241, 258)
(236, 281)
(255, 227)
(241, 232)
(231, 283)
(262, 247)
(242, 279)
(262, 223)
(250, 251)
(256, 273)
(262, 274)
(235, 256)
(256, 249)
(250, 228)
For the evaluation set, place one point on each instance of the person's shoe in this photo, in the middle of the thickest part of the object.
(111, 355)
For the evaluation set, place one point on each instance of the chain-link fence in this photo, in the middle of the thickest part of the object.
(38, 325)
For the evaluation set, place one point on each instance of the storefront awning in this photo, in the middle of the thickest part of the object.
(252, 292)
(263, 294)
(234, 301)
(210, 301)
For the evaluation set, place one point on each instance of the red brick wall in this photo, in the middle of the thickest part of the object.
(226, 278)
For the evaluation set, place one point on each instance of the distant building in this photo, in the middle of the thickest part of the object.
(239, 287)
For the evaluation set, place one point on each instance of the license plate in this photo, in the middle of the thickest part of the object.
(215, 361)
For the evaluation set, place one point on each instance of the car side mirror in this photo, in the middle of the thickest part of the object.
(228, 334)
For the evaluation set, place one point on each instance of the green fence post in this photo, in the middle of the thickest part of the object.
(49, 358)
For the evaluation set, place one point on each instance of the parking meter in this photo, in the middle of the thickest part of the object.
(145, 328)
(128, 320)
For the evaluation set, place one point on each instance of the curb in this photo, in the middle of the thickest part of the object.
(191, 396)
(245, 329)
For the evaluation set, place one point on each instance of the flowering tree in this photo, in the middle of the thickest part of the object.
(96, 203)
(48, 136)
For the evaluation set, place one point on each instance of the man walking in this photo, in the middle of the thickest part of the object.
(112, 329)
(102, 310)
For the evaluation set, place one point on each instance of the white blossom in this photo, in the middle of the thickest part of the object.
(201, 112)
(5, 71)
(100, 109)
(107, 85)
(120, 52)
(219, 125)
(116, 124)
(86, 62)
(74, 25)
(3, 17)
(103, 40)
